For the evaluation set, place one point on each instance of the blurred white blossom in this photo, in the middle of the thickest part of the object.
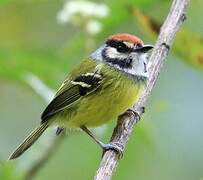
(85, 13)
(93, 27)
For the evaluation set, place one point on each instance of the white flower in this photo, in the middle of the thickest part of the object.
(77, 12)
(93, 27)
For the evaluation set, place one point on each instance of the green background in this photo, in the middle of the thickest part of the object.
(167, 144)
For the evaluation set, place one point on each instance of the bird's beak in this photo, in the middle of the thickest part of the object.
(143, 49)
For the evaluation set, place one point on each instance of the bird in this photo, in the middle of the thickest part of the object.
(105, 85)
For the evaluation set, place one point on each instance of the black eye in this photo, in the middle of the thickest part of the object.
(119, 45)
(122, 48)
(139, 45)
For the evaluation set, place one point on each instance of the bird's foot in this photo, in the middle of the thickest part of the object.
(59, 130)
(136, 113)
(116, 146)
(113, 146)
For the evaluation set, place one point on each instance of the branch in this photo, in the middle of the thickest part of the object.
(127, 122)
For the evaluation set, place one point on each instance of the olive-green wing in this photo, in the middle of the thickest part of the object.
(70, 92)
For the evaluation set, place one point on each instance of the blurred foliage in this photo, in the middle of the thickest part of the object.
(8, 171)
(185, 40)
(168, 141)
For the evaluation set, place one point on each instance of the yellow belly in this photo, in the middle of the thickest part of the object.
(103, 105)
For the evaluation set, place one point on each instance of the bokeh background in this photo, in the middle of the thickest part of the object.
(40, 41)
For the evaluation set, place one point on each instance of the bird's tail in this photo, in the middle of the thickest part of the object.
(29, 140)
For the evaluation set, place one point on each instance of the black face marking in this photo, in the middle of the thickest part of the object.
(119, 45)
(122, 63)
(139, 45)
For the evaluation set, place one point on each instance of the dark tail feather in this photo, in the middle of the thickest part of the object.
(29, 140)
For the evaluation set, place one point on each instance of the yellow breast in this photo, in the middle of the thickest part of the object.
(106, 103)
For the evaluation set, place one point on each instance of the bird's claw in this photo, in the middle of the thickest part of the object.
(113, 146)
(136, 113)
(59, 130)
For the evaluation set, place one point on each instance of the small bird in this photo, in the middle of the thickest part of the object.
(101, 88)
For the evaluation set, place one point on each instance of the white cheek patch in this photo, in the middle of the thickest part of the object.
(143, 57)
(138, 66)
(139, 59)
(114, 54)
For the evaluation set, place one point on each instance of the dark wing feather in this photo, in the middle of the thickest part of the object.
(61, 101)
(70, 92)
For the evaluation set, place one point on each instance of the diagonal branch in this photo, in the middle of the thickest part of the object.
(127, 122)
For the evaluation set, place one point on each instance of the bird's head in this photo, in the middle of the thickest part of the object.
(125, 52)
